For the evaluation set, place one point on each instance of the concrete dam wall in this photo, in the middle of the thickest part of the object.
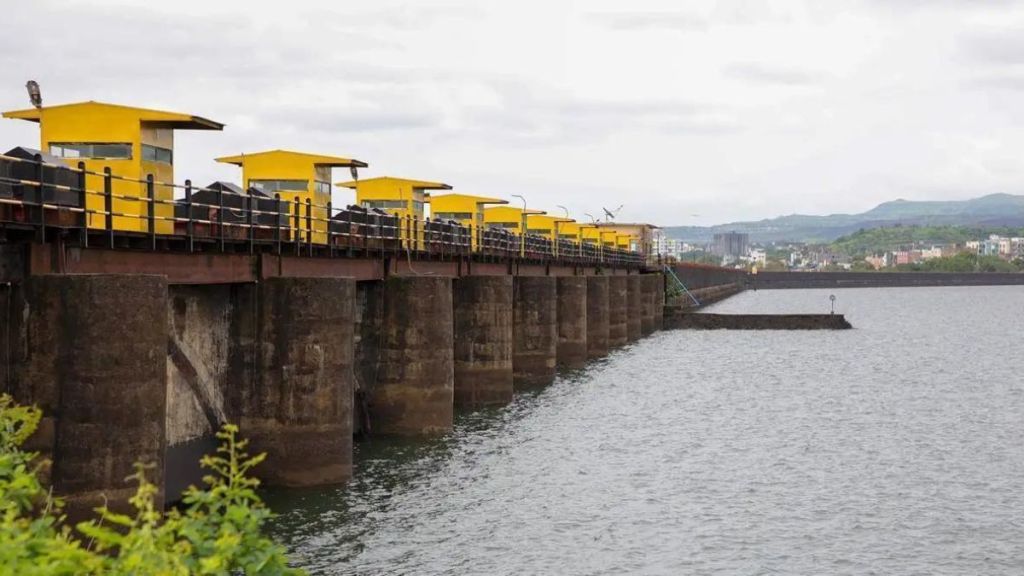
(128, 368)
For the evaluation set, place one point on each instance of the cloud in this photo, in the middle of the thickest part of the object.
(770, 74)
(1003, 47)
(639, 21)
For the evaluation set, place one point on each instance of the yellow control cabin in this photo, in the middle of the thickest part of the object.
(465, 209)
(547, 226)
(296, 176)
(402, 197)
(133, 142)
(507, 217)
(640, 236)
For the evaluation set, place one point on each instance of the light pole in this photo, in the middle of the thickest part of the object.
(522, 228)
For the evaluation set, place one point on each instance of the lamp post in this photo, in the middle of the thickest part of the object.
(558, 237)
(522, 228)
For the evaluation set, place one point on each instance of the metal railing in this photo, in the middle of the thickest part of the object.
(47, 197)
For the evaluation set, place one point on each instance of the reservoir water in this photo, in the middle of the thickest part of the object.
(893, 448)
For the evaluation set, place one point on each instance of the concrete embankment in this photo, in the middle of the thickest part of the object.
(780, 280)
(704, 321)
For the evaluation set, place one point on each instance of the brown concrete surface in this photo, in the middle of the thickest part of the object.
(634, 307)
(483, 340)
(414, 390)
(571, 351)
(597, 317)
(535, 331)
(95, 361)
(618, 311)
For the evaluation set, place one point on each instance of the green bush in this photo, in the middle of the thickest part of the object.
(218, 531)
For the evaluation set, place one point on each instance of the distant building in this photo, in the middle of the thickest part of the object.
(731, 244)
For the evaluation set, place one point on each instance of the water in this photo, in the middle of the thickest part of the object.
(893, 448)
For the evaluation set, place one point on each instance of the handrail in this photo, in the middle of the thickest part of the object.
(235, 217)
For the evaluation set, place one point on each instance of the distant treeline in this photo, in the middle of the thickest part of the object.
(876, 240)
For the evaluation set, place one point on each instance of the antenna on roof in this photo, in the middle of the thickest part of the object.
(355, 172)
(610, 214)
(34, 94)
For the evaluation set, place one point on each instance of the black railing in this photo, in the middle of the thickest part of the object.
(45, 196)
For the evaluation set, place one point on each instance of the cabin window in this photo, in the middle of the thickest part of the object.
(95, 150)
(157, 154)
(384, 204)
(322, 187)
(272, 186)
(453, 215)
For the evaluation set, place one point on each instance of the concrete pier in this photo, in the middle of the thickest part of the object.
(93, 360)
(297, 406)
(572, 322)
(535, 331)
(618, 311)
(483, 340)
(659, 301)
(414, 390)
(597, 317)
(647, 286)
(634, 307)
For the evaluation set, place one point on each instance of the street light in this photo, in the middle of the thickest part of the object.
(522, 229)
(564, 209)
(558, 237)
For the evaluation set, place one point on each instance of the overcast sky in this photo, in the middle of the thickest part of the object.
(685, 112)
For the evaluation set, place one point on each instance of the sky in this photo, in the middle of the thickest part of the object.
(684, 113)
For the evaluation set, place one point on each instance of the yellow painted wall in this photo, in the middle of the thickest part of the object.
(285, 165)
(511, 217)
(463, 204)
(92, 122)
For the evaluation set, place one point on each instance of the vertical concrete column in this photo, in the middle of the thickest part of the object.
(597, 317)
(95, 360)
(659, 301)
(634, 307)
(647, 318)
(483, 340)
(535, 330)
(297, 406)
(414, 391)
(572, 322)
(618, 297)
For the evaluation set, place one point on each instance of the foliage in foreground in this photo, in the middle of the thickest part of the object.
(217, 532)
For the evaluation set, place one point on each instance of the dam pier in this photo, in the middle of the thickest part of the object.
(145, 367)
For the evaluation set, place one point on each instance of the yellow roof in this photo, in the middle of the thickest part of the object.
(317, 159)
(422, 184)
(477, 199)
(170, 119)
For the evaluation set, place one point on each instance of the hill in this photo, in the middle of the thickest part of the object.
(994, 210)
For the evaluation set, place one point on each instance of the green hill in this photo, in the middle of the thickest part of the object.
(992, 211)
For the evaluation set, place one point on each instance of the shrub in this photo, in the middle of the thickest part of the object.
(219, 530)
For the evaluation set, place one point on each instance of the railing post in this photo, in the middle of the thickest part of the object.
(189, 225)
(348, 231)
(309, 225)
(330, 220)
(151, 211)
(41, 219)
(252, 222)
(277, 223)
(220, 217)
(296, 230)
(108, 204)
(82, 201)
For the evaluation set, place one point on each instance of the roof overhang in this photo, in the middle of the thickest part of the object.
(315, 159)
(160, 118)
